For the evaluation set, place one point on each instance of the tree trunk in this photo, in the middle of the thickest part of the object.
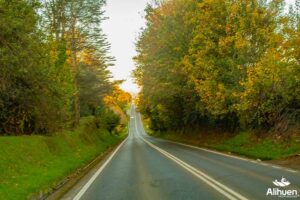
(76, 70)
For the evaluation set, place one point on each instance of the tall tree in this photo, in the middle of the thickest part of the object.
(215, 62)
(30, 98)
(161, 47)
(51, 52)
(76, 25)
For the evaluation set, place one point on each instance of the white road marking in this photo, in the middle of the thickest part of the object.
(211, 151)
(229, 193)
(290, 170)
(276, 167)
(89, 183)
(235, 157)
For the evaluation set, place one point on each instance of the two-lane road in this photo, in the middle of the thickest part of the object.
(143, 167)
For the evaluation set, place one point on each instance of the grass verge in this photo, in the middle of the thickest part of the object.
(244, 143)
(30, 164)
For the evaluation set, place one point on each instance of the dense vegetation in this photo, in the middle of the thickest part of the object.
(39, 163)
(54, 81)
(54, 65)
(221, 63)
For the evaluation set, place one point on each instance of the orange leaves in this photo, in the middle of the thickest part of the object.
(118, 97)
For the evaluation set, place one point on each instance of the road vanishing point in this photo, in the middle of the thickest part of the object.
(149, 168)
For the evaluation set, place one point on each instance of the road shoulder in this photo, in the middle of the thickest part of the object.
(72, 184)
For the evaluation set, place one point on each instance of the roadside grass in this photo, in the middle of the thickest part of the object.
(265, 148)
(30, 164)
(243, 143)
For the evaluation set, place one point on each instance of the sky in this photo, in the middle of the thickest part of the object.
(122, 29)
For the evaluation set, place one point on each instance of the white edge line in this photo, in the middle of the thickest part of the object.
(207, 179)
(293, 171)
(276, 167)
(235, 157)
(211, 151)
(204, 177)
(89, 183)
(232, 156)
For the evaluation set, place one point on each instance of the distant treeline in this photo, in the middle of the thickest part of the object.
(53, 64)
(223, 63)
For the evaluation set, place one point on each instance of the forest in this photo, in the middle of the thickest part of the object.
(217, 74)
(231, 64)
(60, 108)
(54, 66)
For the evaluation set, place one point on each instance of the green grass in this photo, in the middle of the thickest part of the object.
(244, 143)
(29, 164)
(265, 148)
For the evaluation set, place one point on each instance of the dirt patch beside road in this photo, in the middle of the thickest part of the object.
(292, 162)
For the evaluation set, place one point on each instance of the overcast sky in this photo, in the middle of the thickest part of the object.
(122, 28)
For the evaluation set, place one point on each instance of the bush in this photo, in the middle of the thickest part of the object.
(107, 119)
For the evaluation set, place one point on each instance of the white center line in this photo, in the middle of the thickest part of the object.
(229, 193)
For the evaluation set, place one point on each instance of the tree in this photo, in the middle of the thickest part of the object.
(93, 81)
(231, 64)
(51, 50)
(161, 47)
(76, 25)
(30, 98)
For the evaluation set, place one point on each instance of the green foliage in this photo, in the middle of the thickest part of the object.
(107, 119)
(54, 60)
(161, 48)
(266, 149)
(243, 143)
(40, 162)
(231, 64)
(94, 85)
(77, 25)
(30, 98)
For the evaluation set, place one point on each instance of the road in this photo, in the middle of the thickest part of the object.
(144, 167)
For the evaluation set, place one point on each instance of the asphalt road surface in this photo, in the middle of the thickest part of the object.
(148, 168)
